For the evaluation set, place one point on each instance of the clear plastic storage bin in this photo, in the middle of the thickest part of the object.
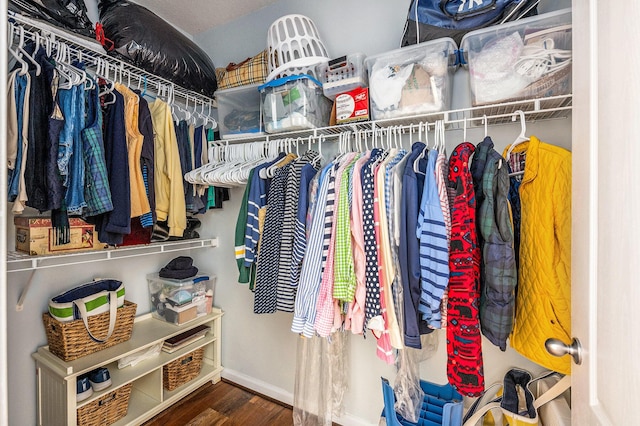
(179, 301)
(342, 74)
(525, 59)
(239, 112)
(295, 102)
(412, 80)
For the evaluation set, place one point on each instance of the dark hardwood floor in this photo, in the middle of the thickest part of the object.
(224, 404)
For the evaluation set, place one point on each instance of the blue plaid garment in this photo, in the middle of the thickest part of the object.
(497, 294)
(97, 192)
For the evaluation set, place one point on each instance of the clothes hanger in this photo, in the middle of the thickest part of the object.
(416, 162)
(24, 53)
(24, 66)
(484, 121)
(109, 86)
(521, 137)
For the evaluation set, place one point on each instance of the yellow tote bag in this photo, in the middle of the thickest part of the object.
(512, 403)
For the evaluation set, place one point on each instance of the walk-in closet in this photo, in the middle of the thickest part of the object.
(258, 340)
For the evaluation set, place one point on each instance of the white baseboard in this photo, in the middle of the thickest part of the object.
(282, 395)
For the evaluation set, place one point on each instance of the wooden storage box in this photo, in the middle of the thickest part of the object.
(182, 370)
(70, 340)
(35, 236)
(107, 409)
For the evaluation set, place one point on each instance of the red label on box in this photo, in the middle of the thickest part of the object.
(353, 106)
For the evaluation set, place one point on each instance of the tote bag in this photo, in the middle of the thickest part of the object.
(433, 19)
(90, 299)
(505, 401)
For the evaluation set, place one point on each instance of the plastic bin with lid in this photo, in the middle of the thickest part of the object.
(295, 102)
(525, 59)
(342, 74)
(169, 296)
(412, 80)
(239, 112)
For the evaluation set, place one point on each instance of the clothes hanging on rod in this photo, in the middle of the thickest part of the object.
(411, 215)
(62, 158)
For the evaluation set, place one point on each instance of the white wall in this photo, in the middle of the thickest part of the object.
(259, 348)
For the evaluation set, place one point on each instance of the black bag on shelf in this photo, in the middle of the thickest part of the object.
(433, 19)
(151, 43)
(68, 14)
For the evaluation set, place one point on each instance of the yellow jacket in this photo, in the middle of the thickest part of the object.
(543, 303)
(139, 200)
(170, 201)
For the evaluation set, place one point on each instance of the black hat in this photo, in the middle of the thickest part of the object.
(179, 268)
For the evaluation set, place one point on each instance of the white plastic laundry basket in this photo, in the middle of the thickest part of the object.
(294, 47)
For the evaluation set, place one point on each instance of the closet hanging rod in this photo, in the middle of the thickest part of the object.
(553, 107)
(89, 50)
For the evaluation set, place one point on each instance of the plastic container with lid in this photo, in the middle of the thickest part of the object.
(239, 112)
(182, 300)
(412, 80)
(525, 59)
(340, 75)
(293, 103)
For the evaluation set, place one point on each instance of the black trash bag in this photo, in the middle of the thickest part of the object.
(151, 43)
(68, 14)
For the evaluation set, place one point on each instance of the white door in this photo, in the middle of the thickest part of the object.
(606, 212)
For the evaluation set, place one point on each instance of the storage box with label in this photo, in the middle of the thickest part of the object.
(180, 300)
(239, 112)
(352, 106)
(343, 74)
(36, 236)
(295, 102)
(525, 59)
(412, 80)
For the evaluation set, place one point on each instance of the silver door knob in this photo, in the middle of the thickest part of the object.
(557, 347)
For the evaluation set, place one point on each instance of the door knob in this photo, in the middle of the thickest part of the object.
(557, 347)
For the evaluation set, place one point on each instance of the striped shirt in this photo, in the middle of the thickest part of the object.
(442, 168)
(434, 250)
(265, 298)
(257, 199)
(285, 289)
(306, 202)
(311, 272)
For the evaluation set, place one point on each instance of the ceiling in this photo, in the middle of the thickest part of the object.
(202, 15)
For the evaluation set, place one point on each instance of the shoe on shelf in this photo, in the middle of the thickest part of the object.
(83, 388)
(100, 379)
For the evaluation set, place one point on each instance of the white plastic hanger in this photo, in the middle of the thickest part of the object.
(24, 66)
(486, 127)
(416, 162)
(24, 53)
(464, 130)
(521, 137)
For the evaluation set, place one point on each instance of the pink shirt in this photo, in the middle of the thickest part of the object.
(325, 307)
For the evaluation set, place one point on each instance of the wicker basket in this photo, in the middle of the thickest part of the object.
(182, 370)
(107, 409)
(70, 340)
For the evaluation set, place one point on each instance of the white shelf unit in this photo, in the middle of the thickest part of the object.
(56, 379)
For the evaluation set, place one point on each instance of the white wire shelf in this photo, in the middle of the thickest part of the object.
(18, 261)
(554, 107)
